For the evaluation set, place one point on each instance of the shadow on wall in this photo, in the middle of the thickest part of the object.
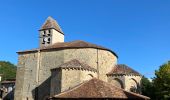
(42, 92)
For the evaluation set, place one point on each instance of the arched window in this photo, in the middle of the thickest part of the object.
(134, 85)
(117, 82)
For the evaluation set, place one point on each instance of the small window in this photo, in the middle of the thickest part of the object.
(44, 33)
(49, 31)
(44, 39)
(49, 39)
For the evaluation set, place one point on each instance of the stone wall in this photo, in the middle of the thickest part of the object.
(73, 77)
(64, 79)
(132, 81)
(117, 80)
(48, 60)
(96, 58)
(86, 55)
(56, 76)
(57, 36)
(127, 80)
(106, 62)
(36, 69)
(26, 76)
(87, 75)
(19, 83)
(70, 78)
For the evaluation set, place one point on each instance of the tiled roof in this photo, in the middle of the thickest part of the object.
(51, 23)
(76, 65)
(96, 88)
(69, 45)
(122, 69)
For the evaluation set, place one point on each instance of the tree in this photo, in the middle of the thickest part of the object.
(147, 88)
(7, 69)
(162, 82)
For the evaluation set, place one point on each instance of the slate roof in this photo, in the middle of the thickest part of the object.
(75, 64)
(122, 69)
(51, 23)
(96, 88)
(70, 45)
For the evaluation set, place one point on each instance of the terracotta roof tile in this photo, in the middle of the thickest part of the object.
(122, 69)
(77, 65)
(96, 88)
(51, 23)
(69, 45)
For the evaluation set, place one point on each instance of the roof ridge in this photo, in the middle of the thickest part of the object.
(123, 69)
(51, 23)
(77, 65)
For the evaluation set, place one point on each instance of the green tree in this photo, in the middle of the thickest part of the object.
(162, 82)
(147, 88)
(7, 69)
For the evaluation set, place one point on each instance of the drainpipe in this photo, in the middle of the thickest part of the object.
(37, 74)
(97, 64)
(38, 67)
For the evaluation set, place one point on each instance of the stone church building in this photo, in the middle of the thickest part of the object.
(57, 66)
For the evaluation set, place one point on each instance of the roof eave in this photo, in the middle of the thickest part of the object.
(51, 49)
(50, 28)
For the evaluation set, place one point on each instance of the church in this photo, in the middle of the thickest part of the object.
(60, 69)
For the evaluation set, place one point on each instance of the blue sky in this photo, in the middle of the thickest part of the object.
(137, 30)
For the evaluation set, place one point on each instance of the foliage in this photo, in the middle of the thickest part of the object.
(159, 88)
(147, 88)
(7, 69)
(162, 82)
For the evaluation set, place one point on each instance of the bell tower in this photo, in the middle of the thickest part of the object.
(50, 33)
